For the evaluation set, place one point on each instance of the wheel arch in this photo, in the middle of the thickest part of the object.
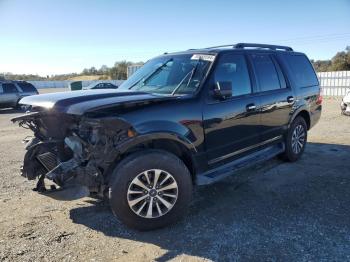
(304, 114)
(171, 143)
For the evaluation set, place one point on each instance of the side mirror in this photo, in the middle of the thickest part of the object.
(223, 89)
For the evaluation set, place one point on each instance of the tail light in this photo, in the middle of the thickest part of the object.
(319, 100)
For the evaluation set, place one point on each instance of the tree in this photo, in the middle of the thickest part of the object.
(340, 62)
(321, 66)
(119, 70)
(93, 71)
(103, 70)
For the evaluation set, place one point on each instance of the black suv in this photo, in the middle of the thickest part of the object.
(183, 119)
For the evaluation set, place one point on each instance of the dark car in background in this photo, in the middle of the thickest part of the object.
(183, 119)
(102, 85)
(12, 91)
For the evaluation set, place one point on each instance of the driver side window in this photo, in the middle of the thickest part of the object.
(233, 68)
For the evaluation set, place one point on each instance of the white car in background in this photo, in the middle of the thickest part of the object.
(345, 104)
(12, 91)
(101, 85)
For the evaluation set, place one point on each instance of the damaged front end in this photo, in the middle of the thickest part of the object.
(71, 156)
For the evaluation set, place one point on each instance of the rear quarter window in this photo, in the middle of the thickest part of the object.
(27, 87)
(302, 70)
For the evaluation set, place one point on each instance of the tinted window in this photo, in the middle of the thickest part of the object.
(281, 78)
(303, 73)
(98, 86)
(104, 86)
(108, 85)
(9, 88)
(27, 87)
(266, 72)
(233, 68)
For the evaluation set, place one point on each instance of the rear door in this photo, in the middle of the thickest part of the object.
(231, 126)
(276, 96)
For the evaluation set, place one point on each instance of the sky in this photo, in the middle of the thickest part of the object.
(48, 37)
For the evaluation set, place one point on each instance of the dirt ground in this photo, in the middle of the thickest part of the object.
(274, 212)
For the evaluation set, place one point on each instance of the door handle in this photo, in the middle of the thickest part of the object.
(251, 107)
(290, 99)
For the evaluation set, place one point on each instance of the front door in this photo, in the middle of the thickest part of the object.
(231, 126)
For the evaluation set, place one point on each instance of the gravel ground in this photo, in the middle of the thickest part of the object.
(274, 212)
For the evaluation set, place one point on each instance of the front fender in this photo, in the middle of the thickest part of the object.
(139, 139)
(185, 133)
(161, 126)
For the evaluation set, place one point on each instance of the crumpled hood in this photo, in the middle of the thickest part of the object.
(80, 102)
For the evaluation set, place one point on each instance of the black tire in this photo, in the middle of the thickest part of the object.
(131, 167)
(290, 154)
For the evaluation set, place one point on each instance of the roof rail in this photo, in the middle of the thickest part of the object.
(218, 46)
(244, 45)
(272, 47)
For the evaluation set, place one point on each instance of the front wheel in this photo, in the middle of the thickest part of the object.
(295, 140)
(150, 189)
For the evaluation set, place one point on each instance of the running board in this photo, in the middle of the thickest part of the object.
(231, 168)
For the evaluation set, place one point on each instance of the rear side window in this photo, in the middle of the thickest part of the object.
(27, 87)
(9, 88)
(98, 86)
(303, 73)
(266, 72)
(233, 68)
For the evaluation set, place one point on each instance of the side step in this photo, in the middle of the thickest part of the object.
(231, 168)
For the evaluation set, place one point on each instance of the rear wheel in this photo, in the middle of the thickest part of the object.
(150, 189)
(295, 140)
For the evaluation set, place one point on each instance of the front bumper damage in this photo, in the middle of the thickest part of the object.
(75, 161)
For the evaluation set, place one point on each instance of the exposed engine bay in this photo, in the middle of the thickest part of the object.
(70, 155)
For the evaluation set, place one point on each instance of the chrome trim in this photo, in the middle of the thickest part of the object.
(213, 161)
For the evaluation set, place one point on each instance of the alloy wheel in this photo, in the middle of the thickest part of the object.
(152, 193)
(298, 139)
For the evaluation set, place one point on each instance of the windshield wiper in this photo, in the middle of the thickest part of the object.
(155, 71)
(191, 73)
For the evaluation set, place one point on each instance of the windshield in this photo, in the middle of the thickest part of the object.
(178, 74)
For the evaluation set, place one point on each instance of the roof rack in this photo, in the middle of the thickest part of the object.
(251, 45)
(218, 46)
(272, 47)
